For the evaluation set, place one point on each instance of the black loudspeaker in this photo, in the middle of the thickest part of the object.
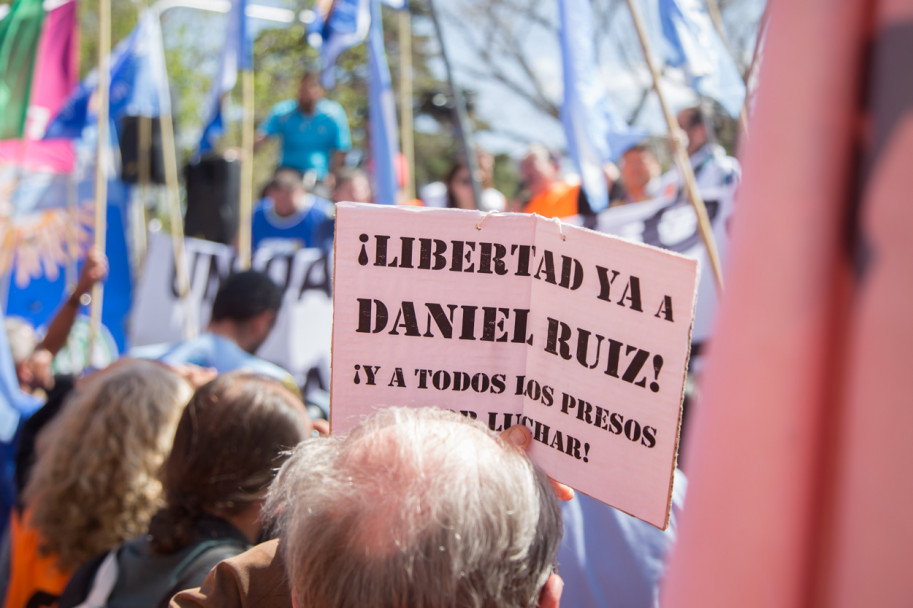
(130, 150)
(213, 194)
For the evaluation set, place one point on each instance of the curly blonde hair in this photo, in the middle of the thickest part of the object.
(95, 483)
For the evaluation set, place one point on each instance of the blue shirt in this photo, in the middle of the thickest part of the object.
(308, 141)
(309, 227)
(210, 350)
(609, 559)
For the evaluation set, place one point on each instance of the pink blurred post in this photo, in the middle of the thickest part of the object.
(762, 445)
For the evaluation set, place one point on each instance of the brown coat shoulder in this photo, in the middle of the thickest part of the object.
(255, 578)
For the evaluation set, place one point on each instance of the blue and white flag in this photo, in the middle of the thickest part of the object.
(337, 26)
(595, 134)
(693, 44)
(139, 83)
(341, 24)
(382, 113)
(237, 54)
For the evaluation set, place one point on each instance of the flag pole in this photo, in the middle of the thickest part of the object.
(459, 110)
(138, 217)
(743, 116)
(101, 178)
(713, 9)
(680, 154)
(182, 273)
(72, 235)
(245, 211)
(762, 28)
(405, 98)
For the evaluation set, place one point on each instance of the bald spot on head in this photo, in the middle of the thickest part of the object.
(398, 480)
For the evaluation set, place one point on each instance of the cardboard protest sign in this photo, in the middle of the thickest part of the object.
(300, 340)
(514, 319)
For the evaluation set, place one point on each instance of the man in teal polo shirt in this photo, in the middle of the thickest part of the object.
(314, 131)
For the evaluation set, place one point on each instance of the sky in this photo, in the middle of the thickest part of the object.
(499, 105)
(495, 103)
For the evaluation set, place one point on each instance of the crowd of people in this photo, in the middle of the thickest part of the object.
(297, 203)
(153, 481)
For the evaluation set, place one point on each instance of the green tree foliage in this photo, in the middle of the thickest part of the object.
(123, 19)
(193, 40)
(282, 55)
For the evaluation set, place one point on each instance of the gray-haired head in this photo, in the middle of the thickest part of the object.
(22, 338)
(416, 508)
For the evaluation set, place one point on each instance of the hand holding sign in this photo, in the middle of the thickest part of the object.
(580, 337)
(520, 437)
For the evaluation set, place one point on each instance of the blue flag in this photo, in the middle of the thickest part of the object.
(595, 134)
(338, 25)
(237, 54)
(139, 83)
(382, 113)
(341, 24)
(693, 44)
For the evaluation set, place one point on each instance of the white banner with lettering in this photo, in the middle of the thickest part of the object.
(300, 341)
(672, 225)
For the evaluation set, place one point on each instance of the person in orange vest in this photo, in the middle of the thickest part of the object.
(548, 195)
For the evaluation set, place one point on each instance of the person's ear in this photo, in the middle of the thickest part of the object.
(253, 332)
(265, 322)
(550, 596)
